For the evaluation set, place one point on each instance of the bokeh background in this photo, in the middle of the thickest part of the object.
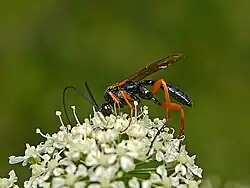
(47, 45)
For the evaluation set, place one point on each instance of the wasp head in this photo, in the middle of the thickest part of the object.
(106, 109)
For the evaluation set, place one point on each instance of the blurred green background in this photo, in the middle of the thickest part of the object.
(47, 45)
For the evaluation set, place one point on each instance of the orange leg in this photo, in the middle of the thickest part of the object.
(116, 99)
(157, 85)
(174, 106)
(127, 98)
(168, 105)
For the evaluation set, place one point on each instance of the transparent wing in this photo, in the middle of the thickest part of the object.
(152, 68)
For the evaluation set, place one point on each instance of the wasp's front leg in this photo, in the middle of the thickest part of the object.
(128, 99)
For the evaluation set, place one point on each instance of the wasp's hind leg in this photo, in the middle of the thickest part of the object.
(146, 94)
(174, 106)
(168, 105)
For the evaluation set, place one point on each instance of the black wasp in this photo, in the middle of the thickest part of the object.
(134, 88)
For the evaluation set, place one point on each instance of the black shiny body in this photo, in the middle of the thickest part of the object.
(138, 91)
(134, 88)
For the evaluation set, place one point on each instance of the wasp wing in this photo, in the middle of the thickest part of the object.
(152, 68)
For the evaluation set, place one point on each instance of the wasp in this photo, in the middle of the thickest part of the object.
(134, 88)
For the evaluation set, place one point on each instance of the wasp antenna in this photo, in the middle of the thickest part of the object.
(64, 99)
(91, 95)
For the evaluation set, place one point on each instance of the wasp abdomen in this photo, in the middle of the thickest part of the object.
(179, 95)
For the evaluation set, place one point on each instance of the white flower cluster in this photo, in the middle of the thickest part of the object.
(109, 152)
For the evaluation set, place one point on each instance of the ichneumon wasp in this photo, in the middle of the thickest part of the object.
(134, 88)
